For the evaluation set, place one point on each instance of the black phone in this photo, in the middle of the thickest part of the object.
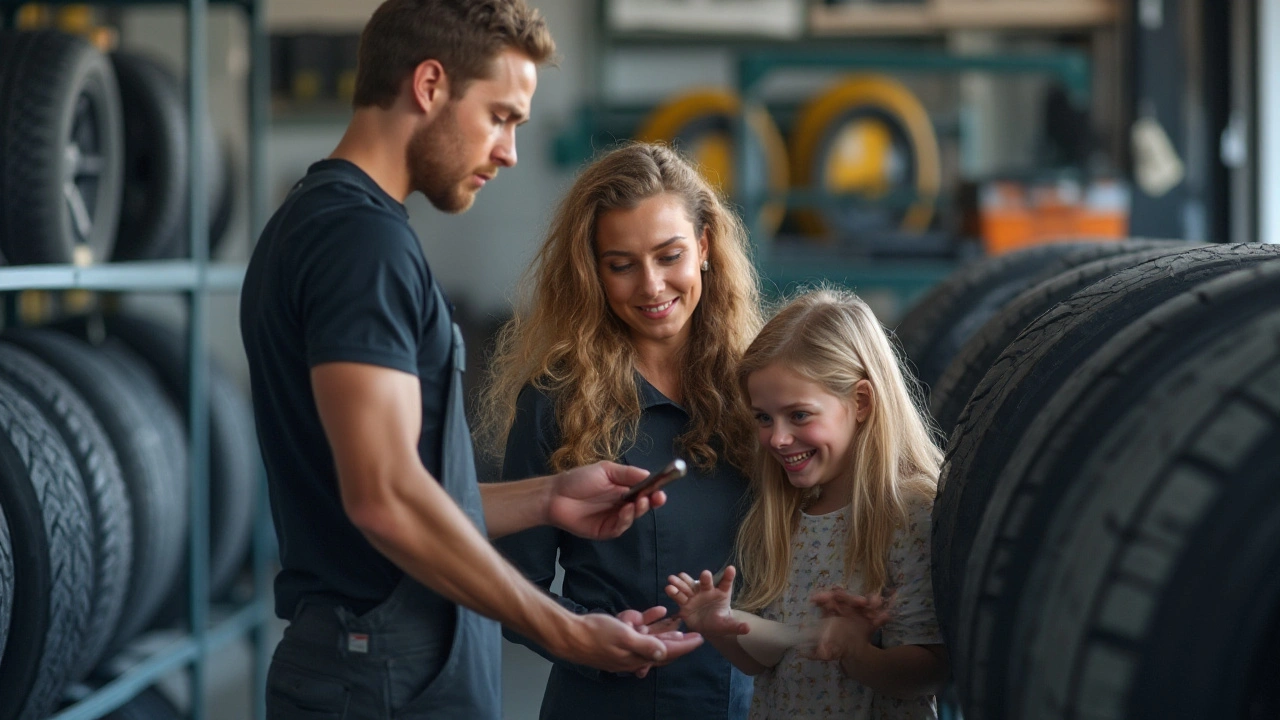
(658, 478)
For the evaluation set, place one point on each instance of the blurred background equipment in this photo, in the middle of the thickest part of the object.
(701, 124)
(867, 137)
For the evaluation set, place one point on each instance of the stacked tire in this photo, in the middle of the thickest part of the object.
(1105, 539)
(94, 156)
(93, 506)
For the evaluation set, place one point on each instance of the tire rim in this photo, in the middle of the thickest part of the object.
(83, 167)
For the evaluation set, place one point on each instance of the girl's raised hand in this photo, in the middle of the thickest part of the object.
(704, 605)
(839, 637)
(837, 601)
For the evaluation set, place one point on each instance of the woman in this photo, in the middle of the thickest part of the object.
(624, 346)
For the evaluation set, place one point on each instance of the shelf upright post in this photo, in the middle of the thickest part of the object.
(198, 404)
(263, 531)
(748, 82)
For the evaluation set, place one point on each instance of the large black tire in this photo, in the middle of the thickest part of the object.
(1003, 406)
(968, 366)
(109, 506)
(155, 180)
(170, 423)
(44, 501)
(61, 149)
(233, 444)
(1159, 579)
(157, 494)
(6, 580)
(940, 323)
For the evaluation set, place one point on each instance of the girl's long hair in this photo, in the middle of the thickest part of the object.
(565, 340)
(830, 337)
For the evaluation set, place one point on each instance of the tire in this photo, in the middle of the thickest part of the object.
(1018, 385)
(157, 493)
(1195, 517)
(216, 188)
(937, 326)
(6, 580)
(170, 423)
(49, 524)
(60, 127)
(98, 467)
(224, 205)
(156, 178)
(233, 443)
(981, 350)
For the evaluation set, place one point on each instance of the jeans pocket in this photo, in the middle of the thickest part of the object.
(413, 674)
(297, 694)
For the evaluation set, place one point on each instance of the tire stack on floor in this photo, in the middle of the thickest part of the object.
(1106, 538)
(94, 497)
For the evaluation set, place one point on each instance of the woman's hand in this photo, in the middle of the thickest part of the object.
(704, 606)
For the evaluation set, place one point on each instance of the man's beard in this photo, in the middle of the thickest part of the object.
(435, 164)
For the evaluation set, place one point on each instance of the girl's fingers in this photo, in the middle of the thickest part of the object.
(726, 582)
(653, 614)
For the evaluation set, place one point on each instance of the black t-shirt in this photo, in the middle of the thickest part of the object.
(338, 275)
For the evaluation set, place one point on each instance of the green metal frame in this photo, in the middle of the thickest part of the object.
(906, 278)
(196, 280)
(598, 124)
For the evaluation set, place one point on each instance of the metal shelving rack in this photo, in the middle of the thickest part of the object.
(825, 47)
(210, 628)
(907, 278)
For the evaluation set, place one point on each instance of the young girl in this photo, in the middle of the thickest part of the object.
(846, 472)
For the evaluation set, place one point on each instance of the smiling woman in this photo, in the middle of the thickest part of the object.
(634, 316)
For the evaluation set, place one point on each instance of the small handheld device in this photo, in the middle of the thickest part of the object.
(658, 478)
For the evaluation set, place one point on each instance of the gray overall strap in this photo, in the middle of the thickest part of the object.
(469, 685)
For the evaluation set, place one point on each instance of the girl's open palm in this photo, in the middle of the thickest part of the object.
(705, 606)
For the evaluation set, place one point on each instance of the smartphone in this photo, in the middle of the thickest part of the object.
(656, 480)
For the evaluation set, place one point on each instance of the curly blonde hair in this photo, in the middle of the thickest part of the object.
(566, 341)
(830, 337)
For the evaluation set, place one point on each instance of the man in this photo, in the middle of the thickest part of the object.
(355, 363)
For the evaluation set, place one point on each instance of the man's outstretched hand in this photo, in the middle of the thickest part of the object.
(655, 622)
(611, 644)
(585, 500)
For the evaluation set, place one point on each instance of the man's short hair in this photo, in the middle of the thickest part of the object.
(465, 36)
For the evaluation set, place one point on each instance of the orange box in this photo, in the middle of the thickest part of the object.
(1014, 215)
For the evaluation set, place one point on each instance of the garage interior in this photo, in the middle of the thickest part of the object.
(1067, 211)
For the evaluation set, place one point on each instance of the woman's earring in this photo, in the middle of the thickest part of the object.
(705, 266)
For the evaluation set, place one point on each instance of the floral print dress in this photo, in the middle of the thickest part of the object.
(798, 688)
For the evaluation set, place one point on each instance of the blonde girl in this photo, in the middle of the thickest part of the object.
(845, 475)
(623, 346)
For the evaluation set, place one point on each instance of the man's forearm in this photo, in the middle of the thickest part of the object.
(510, 507)
(420, 519)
